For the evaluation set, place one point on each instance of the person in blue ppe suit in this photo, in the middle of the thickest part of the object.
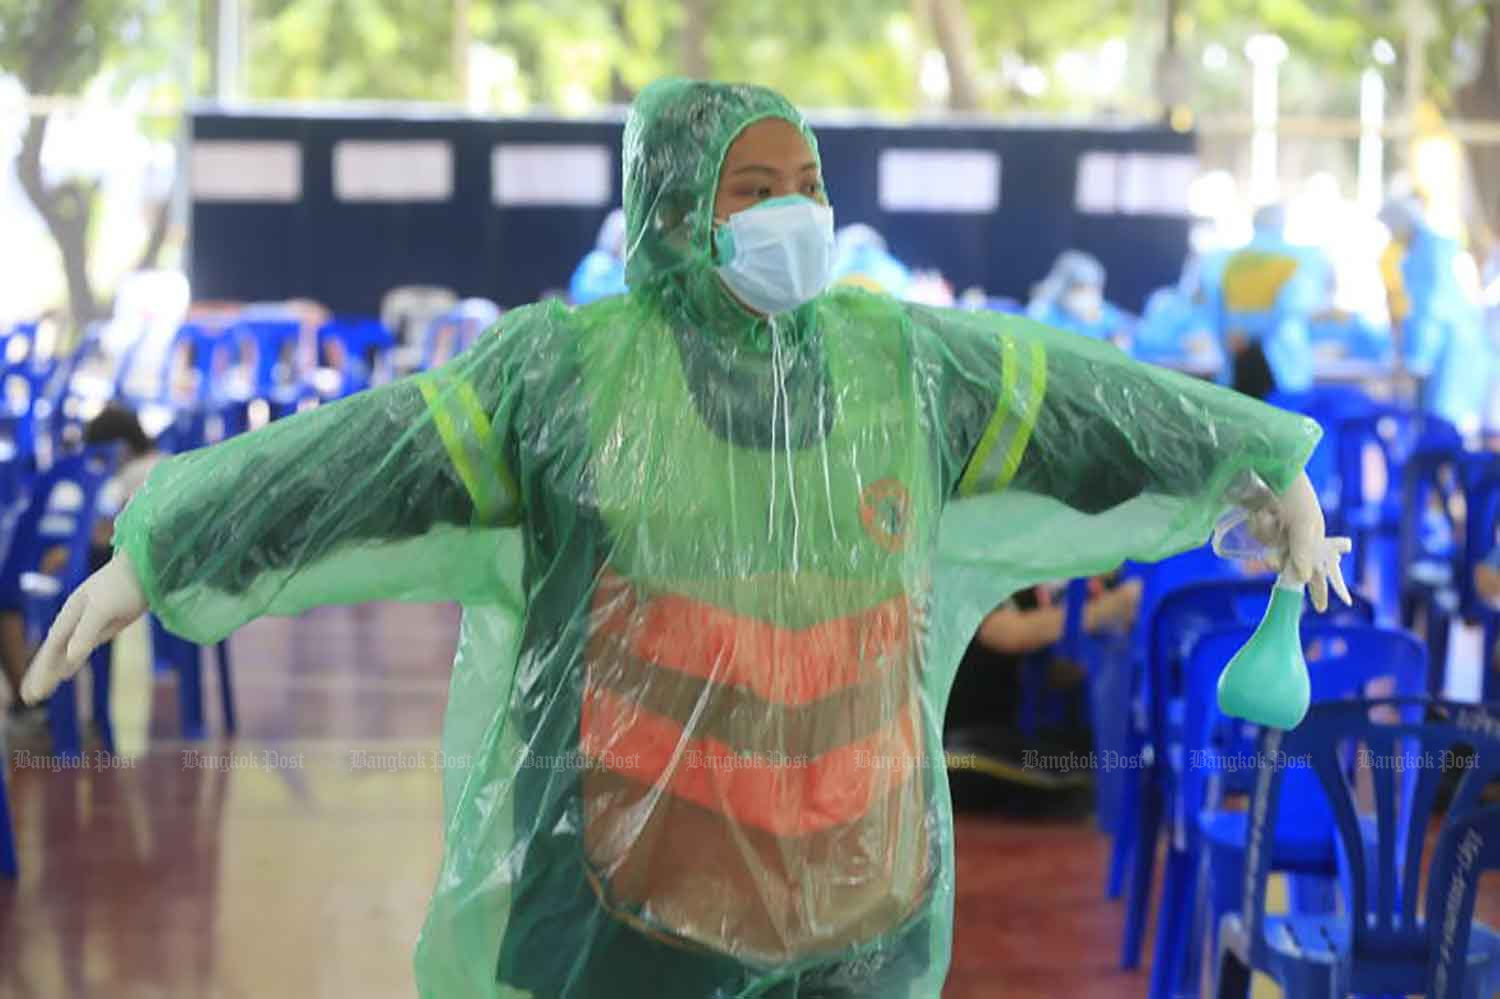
(862, 259)
(1269, 291)
(1071, 297)
(1443, 345)
(602, 272)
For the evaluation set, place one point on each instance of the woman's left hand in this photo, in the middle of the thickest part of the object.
(1292, 529)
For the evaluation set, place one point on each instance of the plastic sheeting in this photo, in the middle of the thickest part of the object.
(717, 572)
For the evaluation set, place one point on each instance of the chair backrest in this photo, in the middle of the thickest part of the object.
(365, 344)
(1328, 405)
(1188, 613)
(273, 341)
(1432, 491)
(1482, 521)
(1344, 661)
(1388, 944)
(1468, 846)
(62, 511)
(1395, 434)
(212, 353)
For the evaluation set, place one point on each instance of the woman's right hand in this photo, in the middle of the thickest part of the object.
(96, 612)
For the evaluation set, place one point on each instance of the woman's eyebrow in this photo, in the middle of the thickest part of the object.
(756, 168)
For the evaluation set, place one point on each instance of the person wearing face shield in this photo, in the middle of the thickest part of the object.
(601, 273)
(1432, 287)
(720, 543)
(1071, 297)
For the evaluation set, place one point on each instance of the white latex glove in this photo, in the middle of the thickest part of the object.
(1291, 528)
(96, 612)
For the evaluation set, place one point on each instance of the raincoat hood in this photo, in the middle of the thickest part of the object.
(676, 139)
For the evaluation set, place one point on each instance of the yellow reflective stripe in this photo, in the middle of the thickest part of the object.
(1023, 382)
(970, 484)
(480, 472)
(469, 399)
(1026, 409)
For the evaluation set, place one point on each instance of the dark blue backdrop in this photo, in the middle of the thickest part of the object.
(347, 254)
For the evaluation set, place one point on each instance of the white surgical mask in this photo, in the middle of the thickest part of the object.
(778, 254)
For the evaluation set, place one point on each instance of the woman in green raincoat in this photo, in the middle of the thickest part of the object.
(720, 543)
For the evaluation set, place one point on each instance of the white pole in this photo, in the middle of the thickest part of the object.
(1266, 53)
(1371, 146)
(227, 50)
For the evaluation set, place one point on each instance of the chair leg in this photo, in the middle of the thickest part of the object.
(1123, 848)
(99, 667)
(226, 689)
(62, 718)
(1438, 626)
(1222, 893)
(1148, 827)
(1174, 912)
(8, 866)
(189, 687)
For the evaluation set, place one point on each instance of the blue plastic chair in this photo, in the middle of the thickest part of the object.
(1181, 618)
(1329, 405)
(277, 377)
(1468, 846)
(1394, 435)
(1384, 949)
(362, 352)
(1157, 579)
(62, 514)
(1433, 549)
(1344, 661)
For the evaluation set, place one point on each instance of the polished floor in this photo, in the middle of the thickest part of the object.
(279, 866)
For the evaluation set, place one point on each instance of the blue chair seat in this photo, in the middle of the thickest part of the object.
(1309, 951)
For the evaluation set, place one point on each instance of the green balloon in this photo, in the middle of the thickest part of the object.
(1266, 681)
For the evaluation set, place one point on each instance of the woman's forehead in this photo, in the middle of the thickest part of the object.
(773, 142)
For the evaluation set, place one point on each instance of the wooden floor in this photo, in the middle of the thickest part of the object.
(299, 873)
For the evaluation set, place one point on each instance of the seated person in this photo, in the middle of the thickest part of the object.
(986, 697)
(114, 424)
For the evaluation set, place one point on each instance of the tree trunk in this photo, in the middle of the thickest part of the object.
(67, 210)
(955, 37)
(619, 90)
(695, 15)
(1480, 100)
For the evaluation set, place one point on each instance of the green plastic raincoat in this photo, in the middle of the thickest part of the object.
(717, 572)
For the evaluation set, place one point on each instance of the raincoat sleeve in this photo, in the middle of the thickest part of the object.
(396, 493)
(1091, 457)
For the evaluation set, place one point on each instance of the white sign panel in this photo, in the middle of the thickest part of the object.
(1098, 183)
(246, 170)
(392, 171)
(1156, 183)
(1134, 183)
(939, 180)
(551, 174)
